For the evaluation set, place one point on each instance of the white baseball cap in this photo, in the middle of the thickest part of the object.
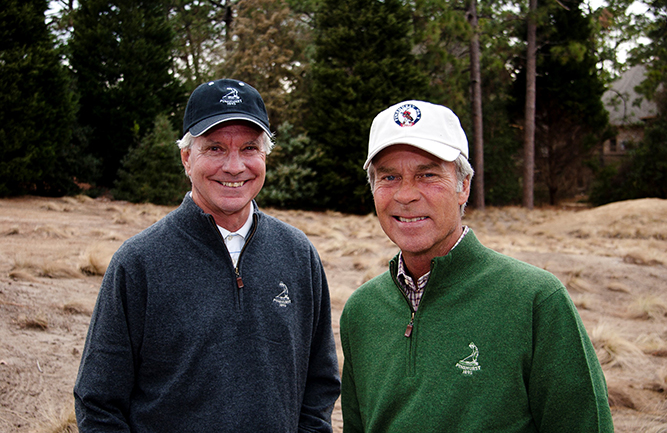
(430, 127)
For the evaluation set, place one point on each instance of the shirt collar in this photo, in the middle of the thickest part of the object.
(243, 231)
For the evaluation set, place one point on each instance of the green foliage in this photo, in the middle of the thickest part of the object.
(267, 50)
(121, 56)
(152, 171)
(363, 64)
(36, 107)
(290, 181)
(570, 117)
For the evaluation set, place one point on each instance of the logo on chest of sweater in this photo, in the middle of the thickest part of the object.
(283, 298)
(469, 364)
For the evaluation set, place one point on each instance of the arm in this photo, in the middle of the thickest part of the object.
(567, 388)
(106, 373)
(323, 382)
(351, 416)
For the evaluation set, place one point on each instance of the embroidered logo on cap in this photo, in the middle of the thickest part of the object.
(231, 98)
(407, 115)
(470, 364)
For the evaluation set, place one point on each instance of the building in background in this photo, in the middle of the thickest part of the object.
(628, 112)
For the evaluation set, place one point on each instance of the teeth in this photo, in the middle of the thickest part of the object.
(232, 184)
(410, 220)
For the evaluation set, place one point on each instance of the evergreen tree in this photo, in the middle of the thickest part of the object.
(569, 114)
(152, 172)
(363, 64)
(121, 56)
(267, 49)
(36, 106)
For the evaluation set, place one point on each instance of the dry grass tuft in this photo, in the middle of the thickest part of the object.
(14, 230)
(62, 422)
(27, 268)
(53, 232)
(618, 398)
(614, 350)
(96, 258)
(39, 322)
(648, 307)
(21, 275)
(78, 307)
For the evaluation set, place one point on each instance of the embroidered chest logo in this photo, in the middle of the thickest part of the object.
(231, 98)
(283, 298)
(470, 364)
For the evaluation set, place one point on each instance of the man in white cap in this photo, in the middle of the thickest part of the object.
(456, 337)
(217, 318)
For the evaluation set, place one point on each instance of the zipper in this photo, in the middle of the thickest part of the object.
(408, 330)
(237, 271)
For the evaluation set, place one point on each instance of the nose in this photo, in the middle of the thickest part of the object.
(406, 192)
(233, 164)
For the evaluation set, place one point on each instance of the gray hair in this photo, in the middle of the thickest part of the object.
(188, 140)
(463, 171)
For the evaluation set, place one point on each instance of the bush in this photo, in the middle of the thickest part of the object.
(152, 171)
(290, 178)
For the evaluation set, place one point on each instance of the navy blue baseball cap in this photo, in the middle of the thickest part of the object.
(223, 100)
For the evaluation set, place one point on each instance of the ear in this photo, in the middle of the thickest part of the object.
(465, 192)
(185, 158)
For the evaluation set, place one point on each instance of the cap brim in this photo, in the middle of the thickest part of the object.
(201, 127)
(435, 148)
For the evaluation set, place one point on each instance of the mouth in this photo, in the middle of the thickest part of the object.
(231, 184)
(409, 220)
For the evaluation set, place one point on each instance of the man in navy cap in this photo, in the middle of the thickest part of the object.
(217, 318)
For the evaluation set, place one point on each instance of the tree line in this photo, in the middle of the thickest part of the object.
(93, 92)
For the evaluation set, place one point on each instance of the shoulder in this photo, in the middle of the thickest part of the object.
(369, 293)
(272, 228)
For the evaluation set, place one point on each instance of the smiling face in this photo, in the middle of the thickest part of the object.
(417, 203)
(227, 167)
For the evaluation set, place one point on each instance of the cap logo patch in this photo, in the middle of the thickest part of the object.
(407, 115)
(231, 98)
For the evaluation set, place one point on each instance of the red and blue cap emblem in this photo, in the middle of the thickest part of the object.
(407, 115)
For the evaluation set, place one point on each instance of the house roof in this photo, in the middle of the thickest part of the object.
(625, 106)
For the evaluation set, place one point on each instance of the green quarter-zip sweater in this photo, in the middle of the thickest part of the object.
(496, 346)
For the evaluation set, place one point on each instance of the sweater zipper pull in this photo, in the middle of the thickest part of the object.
(408, 330)
(239, 280)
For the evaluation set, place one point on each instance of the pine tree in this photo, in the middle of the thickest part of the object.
(36, 106)
(569, 114)
(152, 172)
(121, 56)
(363, 64)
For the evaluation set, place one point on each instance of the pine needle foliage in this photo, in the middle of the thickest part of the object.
(152, 172)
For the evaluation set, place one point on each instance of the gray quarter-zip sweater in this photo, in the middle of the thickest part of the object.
(181, 340)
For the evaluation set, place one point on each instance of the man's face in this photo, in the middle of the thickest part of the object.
(227, 167)
(416, 200)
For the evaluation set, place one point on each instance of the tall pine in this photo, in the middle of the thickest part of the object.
(569, 114)
(121, 55)
(363, 64)
(36, 106)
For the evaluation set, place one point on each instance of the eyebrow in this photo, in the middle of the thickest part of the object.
(420, 167)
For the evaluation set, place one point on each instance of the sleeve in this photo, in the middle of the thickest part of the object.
(323, 380)
(351, 415)
(567, 388)
(106, 373)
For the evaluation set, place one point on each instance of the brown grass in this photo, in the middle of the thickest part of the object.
(611, 259)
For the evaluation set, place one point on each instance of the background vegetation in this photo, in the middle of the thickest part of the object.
(92, 92)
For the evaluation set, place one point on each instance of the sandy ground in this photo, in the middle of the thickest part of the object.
(613, 260)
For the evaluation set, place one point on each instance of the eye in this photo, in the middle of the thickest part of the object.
(389, 177)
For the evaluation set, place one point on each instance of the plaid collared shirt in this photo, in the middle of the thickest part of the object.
(413, 291)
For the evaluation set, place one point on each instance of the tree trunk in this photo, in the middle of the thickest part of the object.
(529, 127)
(476, 85)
